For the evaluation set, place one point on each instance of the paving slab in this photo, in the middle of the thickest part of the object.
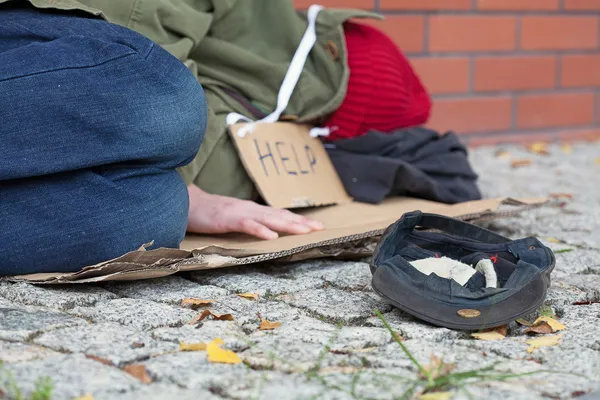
(329, 344)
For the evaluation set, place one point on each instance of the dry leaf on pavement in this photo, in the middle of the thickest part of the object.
(100, 360)
(138, 371)
(195, 304)
(543, 341)
(137, 345)
(502, 154)
(216, 354)
(249, 296)
(521, 163)
(216, 317)
(553, 240)
(554, 324)
(523, 322)
(183, 346)
(268, 325)
(566, 148)
(437, 368)
(541, 328)
(436, 396)
(597, 160)
(85, 397)
(497, 333)
(539, 148)
(560, 195)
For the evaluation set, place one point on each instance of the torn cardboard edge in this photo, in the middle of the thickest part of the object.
(351, 232)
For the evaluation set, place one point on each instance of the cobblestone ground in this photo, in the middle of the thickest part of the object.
(82, 336)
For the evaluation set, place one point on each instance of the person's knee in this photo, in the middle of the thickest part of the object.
(88, 217)
(176, 106)
(105, 87)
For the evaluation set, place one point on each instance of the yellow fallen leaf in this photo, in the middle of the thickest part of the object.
(598, 161)
(566, 148)
(207, 313)
(539, 148)
(436, 396)
(543, 341)
(502, 154)
(139, 372)
(84, 397)
(192, 346)
(249, 296)
(216, 354)
(194, 304)
(268, 325)
(554, 324)
(553, 240)
(560, 195)
(521, 163)
(497, 333)
(490, 335)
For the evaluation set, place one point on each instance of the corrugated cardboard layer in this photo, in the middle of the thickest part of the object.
(350, 231)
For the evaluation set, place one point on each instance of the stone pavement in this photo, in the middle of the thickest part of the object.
(81, 336)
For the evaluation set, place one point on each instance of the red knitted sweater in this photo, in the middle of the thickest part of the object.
(384, 93)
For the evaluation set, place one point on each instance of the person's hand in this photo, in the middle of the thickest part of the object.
(219, 214)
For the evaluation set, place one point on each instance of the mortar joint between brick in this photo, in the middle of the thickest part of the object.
(425, 34)
(559, 72)
(471, 88)
(518, 33)
(514, 112)
(598, 33)
(596, 107)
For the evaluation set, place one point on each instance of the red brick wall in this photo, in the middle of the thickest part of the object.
(501, 70)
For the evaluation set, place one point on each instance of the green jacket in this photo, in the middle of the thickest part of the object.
(239, 46)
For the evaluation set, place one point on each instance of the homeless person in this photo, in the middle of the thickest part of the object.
(107, 140)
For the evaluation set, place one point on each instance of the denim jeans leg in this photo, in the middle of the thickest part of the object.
(95, 120)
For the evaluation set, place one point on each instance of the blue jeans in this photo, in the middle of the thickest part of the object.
(94, 121)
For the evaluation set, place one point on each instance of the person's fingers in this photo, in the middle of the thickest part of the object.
(315, 225)
(280, 223)
(254, 228)
(302, 220)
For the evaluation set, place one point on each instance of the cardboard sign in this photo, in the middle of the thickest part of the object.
(289, 168)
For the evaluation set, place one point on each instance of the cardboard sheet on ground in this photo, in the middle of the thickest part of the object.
(351, 231)
(289, 168)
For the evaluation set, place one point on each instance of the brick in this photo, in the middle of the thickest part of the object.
(449, 33)
(581, 70)
(564, 109)
(443, 75)
(579, 135)
(514, 73)
(425, 4)
(582, 4)
(406, 31)
(559, 33)
(517, 5)
(471, 114)
(512, 138)
(363, 4)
